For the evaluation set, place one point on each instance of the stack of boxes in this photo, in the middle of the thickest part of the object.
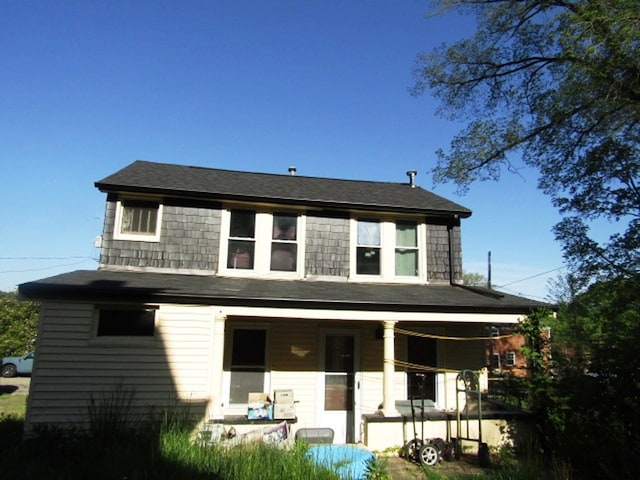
(283, 407)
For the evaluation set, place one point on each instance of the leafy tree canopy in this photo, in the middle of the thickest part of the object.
(474, 279)
(18, 324)
(557, 84)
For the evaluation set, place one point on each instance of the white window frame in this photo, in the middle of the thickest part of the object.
(510, 359)
(388, 250)
(262, 243)
(118, 234)
(241, 408)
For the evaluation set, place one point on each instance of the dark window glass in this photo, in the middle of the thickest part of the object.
(247, 363)
(421, 351)
(368, 261)
(126, 323)
(243, 224)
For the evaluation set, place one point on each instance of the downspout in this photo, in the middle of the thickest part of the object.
(451, 256)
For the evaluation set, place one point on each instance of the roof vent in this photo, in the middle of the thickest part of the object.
(412, 178)
(292, 171)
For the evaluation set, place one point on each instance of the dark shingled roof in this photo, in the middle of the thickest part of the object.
(160, 287)
(180, 180)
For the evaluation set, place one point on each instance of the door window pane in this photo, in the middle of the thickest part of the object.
(339, 379)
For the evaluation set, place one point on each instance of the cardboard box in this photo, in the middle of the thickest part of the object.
(284, 411)
(283, 396)
(258, 397)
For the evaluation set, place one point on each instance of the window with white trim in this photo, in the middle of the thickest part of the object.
(247, 363)
(242, 240)
(138, 220)
(368, 248)
(510, 359)
(387, 249)
(262, 242)
(407, 249)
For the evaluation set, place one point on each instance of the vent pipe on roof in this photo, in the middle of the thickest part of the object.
(412, 178)
(292, 171)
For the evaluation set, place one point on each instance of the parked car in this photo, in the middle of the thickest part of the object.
(12, 366)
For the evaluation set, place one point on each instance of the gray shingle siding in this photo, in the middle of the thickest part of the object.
(189, 239)
(327, 246)
(439, 238)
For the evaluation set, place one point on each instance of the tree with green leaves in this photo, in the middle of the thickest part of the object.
(18, 324)
(554, 85)
(474, 279)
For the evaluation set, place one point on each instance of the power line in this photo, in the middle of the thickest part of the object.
(41, 258)
(529, 278)
(86, 259)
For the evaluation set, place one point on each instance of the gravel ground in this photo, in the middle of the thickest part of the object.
(18, 385)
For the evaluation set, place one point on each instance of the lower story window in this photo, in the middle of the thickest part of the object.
(248, 363)
(421, 383)
(126, 322)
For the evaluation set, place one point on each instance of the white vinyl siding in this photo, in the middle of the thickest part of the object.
(71, 368)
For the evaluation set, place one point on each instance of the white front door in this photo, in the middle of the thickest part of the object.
(338, 385)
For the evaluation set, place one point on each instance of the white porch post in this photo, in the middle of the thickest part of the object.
(388, 372)
(215, 397)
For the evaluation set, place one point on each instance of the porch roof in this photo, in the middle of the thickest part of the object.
(125, 286)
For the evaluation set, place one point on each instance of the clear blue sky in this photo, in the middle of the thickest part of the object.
(87, 87)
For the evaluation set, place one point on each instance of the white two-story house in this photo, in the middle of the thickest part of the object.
(214, 284)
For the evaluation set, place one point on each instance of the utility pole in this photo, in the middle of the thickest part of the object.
(489, 270)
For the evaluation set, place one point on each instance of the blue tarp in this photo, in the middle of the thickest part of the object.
(348, 461)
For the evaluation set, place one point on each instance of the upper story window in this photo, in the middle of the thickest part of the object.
(386, 249)
(368, 249)
(262, 242)
(284, 246)
(138, 220)
(242, 239)
(407, 249)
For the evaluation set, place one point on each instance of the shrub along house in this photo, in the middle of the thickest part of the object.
(214, 284)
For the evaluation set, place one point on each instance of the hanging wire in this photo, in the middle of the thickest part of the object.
(424, 368)
(445, 337)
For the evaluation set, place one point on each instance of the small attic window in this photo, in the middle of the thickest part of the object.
(138, 220)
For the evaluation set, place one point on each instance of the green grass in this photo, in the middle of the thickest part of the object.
(13, 405)
(110, 450)
(167, 453)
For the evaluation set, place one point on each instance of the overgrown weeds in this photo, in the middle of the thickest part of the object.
(117, 443)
